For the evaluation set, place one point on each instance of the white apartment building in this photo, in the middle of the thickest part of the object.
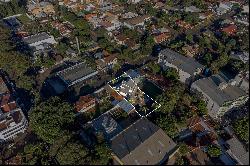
(12, 122)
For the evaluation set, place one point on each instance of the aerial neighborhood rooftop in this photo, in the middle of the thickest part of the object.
(111, 82)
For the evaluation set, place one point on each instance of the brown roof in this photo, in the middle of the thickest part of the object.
(17, 160)
(121, 37)
(231, 29)
(5, 99)
(200, 125)
(84, 102)
(3, 126)
(162, 37)
(106, 24)
(116, 95)
(90, 16)
(17, 117)
(109, 58)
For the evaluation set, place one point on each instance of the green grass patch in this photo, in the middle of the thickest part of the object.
(24, 19)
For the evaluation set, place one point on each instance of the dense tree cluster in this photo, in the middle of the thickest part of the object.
(214, 151)
(241, 128)
(12, 7)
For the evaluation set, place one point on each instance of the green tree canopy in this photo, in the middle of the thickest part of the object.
(172, 74)
(183, 149)
(101, 155)
(147, 45)
(167, 123)
(73, 153)
(154, 67)
(241, 128)
(50, 118)
(14, 63)
(35, 153)
(214, 151)
(202, 107)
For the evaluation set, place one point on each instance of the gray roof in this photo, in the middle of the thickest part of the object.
(210, 86)
(142, 143)
(107, 125)
(125, 105)
(127, 87)
(133, 74)
(238, 150)
(187, 64)
(75, 73)
(35, 38)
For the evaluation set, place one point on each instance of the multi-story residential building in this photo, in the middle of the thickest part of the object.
(237, 151)
(187, 67)
(142, 143)
(12, 124)
(138, 143)
(106, 63)
(220, 94)
(12, 119)
(39, 43)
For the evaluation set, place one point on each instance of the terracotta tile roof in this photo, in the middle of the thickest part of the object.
(162, 37)
(106, 24)
(109, 58)
(90, 16)
(121, 37)
(116, 95)
(5, 99)
(84, 102)
(17, 160)
(193, 121)
(17, 117)
(184, 24)
(231, 29)
(3, 126)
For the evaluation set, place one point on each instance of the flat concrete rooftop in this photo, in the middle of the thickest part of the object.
(76, 73)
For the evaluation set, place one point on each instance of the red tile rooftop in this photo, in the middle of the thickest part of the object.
(230, 30)
(5, 99)
(162, 37)
(84, 102)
